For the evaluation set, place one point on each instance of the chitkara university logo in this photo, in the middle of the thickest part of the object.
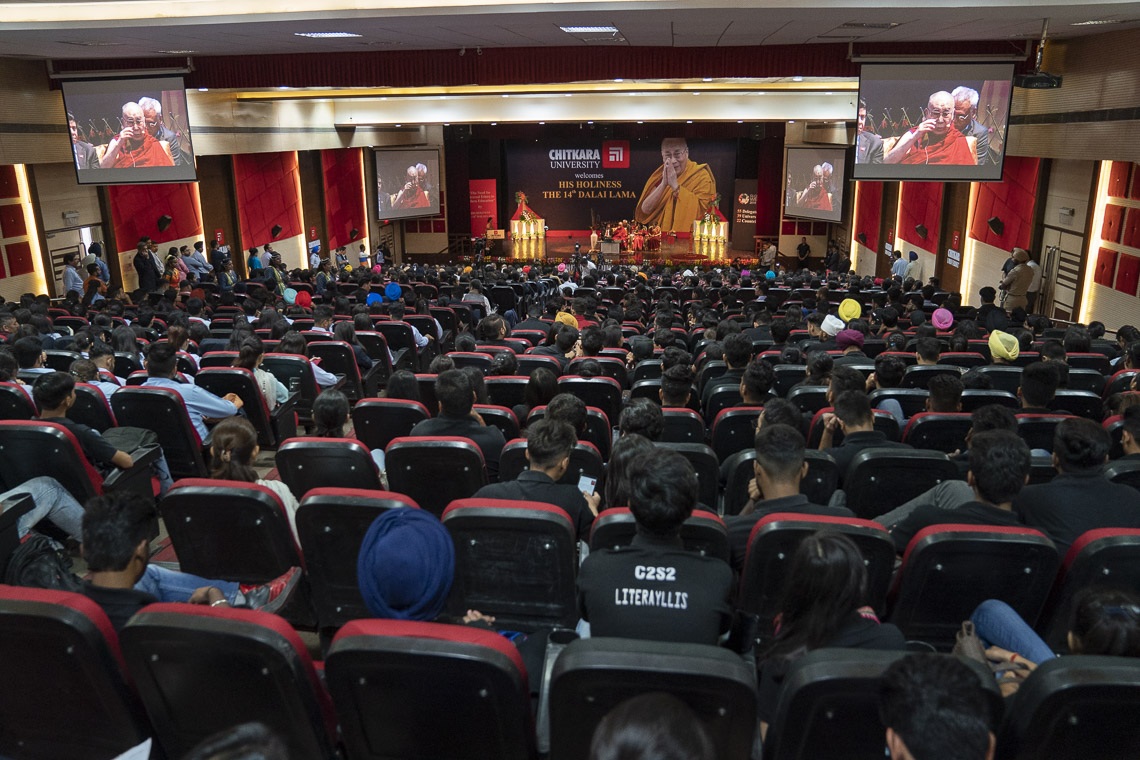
(615, 154)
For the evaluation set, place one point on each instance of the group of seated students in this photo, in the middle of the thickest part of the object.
(850, 336)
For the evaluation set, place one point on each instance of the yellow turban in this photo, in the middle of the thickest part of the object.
(850, 309)
(1004, 346)
(566, 318)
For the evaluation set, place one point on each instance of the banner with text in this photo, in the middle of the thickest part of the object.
(744, 215)
(484, 205)
(573, 183)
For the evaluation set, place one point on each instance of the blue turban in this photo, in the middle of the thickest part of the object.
(374, 298)
(913, 256)
(769, 275)
(394, 291)
(406, 565)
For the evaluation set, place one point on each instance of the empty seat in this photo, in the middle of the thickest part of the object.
(973, 399)
(919, 376)
(785, 376)
(939, 431)
(163, 411)
(878, 480)
(390, 680)
(528, 363)
(65, 694)
(734, 430)
(1095, 361)
(501, 417)
(308, 463)
(331, 523)
(16, 402)
(722, 397)
(948, 570)
(966, 360)
(434, 471)
(682, 426)
(1003, 377)
(507, 390)
(772, 543)
(593, 676)
(514, 560)
(203, 669)
(1087, 380)
(1081, 403)
(702, 532)
(1119, 382)
(809, 398)
(1075, 707)
(235, 531)
(1107, 556)
(294, 371)
(376, 421)
(830, 700)
(338, 358)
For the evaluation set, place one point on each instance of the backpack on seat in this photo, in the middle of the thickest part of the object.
(38, 562)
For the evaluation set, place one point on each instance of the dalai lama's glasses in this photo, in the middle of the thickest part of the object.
(943, 115)
(132, 122)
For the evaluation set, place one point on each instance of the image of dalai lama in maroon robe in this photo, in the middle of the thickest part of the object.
(934, 141)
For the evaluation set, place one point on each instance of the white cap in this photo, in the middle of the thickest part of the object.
(832, 325)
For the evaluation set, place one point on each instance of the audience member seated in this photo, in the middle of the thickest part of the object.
(654, 726)
(737, 354)
(456, 397)
(850, 342)
(30, 356)
(823, 605)
(122, 580)
(1079, 498)
(779, 467)
(756, 383)
(1106, 621)
(854, 417)
(564, 346)
(1039, 383)
(233, 451)
(945, 394)
(655, 588)
(1004, 348)
(294, 343)
(933, 706)
(250, 356)
(51, 501)
(330, 420)
(55, 394)
(161, 366)
(888, 373)
(625, 450)
(642, 417)
(1130, 434)
(86, 371)
(676, 386)
(999, 469)
(549, 444)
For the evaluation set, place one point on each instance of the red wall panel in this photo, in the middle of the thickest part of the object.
(1118, 179)
(1013, 200)
(920, 203)
(1130, 235)
(19, 259)
(869, 212)
(267, 195)
(342, 173)
(1135, 194)
(1128, 274)
(1105, 267)
(135, 210)
(1113, 220)
(9, 185)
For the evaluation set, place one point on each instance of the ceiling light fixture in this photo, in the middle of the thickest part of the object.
(706, 79)
(619, 79)
(176, 52)
(1096, 22)
(797, 78)
(589, 29)
(690, 121)
(326, 35)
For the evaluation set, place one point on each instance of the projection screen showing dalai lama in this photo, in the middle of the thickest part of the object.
(129, 131)
(815, 183)
(407, 183)
(943, 122)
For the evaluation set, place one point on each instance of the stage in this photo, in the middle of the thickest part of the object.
(671, 251)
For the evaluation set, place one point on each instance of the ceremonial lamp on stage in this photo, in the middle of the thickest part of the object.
(525, 224)
(712, 227)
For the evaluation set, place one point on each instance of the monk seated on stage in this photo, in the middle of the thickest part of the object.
(134, 146)
(638, 240)
(935, 140)
(653, 239)
(678, 192)
(621, 236)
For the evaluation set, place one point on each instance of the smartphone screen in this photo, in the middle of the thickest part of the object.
(586, 484)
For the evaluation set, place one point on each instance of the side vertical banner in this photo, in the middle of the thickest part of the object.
(484, 205)
(744, 215)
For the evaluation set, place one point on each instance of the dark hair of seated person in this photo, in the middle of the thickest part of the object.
(548, 442)
(1106, 621)
(625, 450)
(570, 409)
(992, 417)
(853, 408)
(52, 389)
(245, 741)
(999, 464)
(780, 411)
(654, 726)
(663, 491)
(454, 393)
(161, 360)
(819, 365)
(330, 414)
(936, 706)
(1039, 383)
(928, 349)
(889, 371)
(676, 385)
(503, 364)
(642, 417)
(114, 526)
(27, 351)
(465, 342)
(541, 387)
(845, 379)
(758, 378)
(945, 393)
(827, 582)
(402, 385)
(233, 446)
(1080, 445)
(780, 452)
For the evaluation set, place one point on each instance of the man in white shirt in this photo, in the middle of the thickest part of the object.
(1034, 286)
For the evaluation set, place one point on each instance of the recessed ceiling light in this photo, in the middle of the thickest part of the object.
(797, 78)
(494, 124)
(589, 29)
(541, 123)
(690, 121)
(569, 94)
(619, 79)
(326, 35)
(447, 124)
(740, 121)
(589, 122)
(505, 95)
(707, 79)
(176, 52)
(828, 93)
(791, 121)
(203, 89)
(641, 122)
(1096, 22)
(696, 93)
(399, 125)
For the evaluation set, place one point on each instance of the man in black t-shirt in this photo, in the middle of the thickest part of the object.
(655, 588)
(548, 447)
(456, 398)
(999, 469)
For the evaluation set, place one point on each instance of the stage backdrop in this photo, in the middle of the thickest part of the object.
(572, 183)
(744, 216)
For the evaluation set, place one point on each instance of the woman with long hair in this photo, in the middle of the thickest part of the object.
(233, 451)
(616, 490)
(345, 331)
(250, 355)
(330, 420)
(542, 386)
(403, 385)
(824, 604)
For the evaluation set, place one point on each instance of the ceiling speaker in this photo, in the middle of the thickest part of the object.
(997, 226)
(276, 230)
(164, 222)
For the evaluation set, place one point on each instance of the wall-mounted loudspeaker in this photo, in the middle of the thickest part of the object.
(997, 226)
(276, 230)
(164, 222)
(353, 233)
(921, 231)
